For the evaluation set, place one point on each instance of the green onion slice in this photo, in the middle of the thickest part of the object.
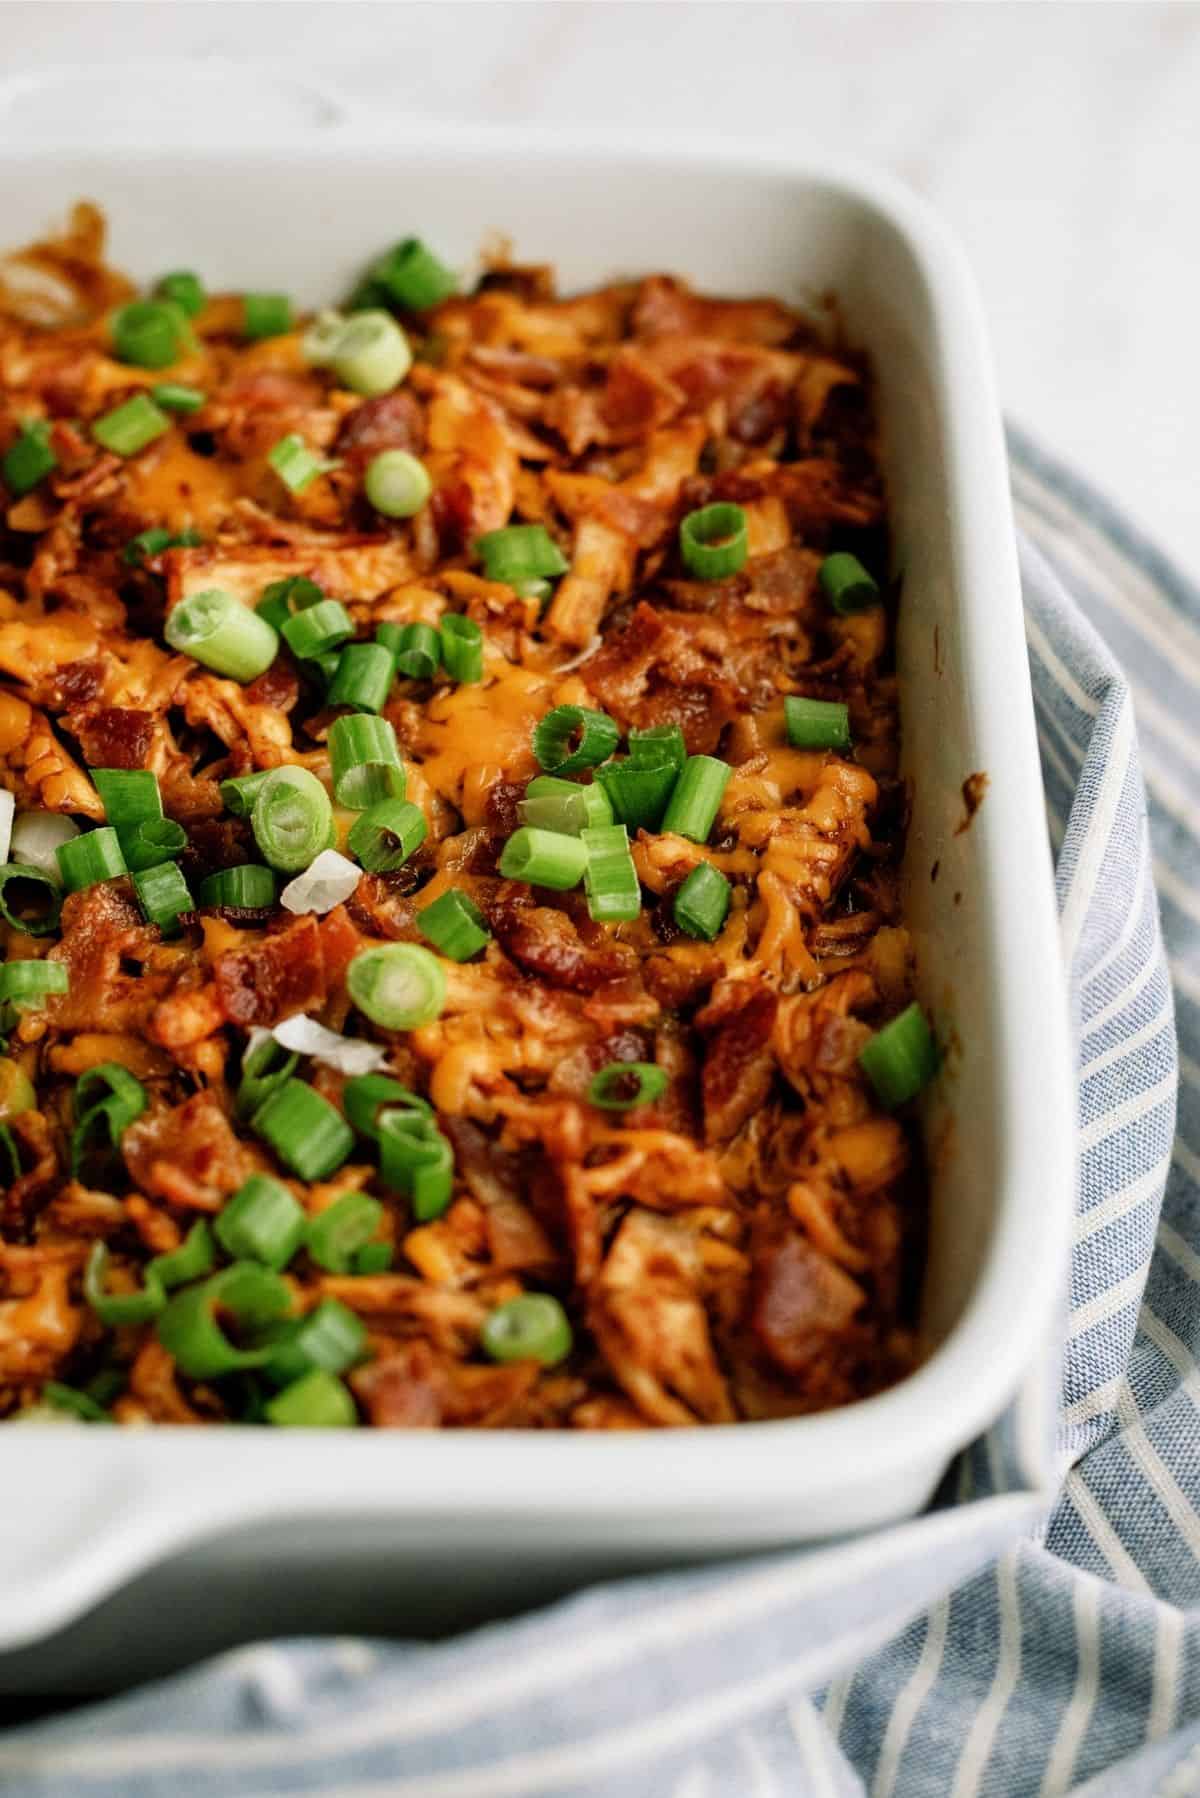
(292, 818)
(238, 795)
(399, 986)
(248, 887)
(623, 1085)
(262, 1222)
(397, 484)
(713, 541)
(129, 428)
(219, 631)
(190, 1328)
(520, 552)
(306, 1132)
(176, 396)
(413, 277)
(29, 458)
(151, 843)
(696, 800)
(454, 925)
(614, 894)
(702, 902)
(637, 796)
(572, 737)
(365, 759)
(416, 1159)
(901, 1058)
(374, 1258)
(94, 856)
(30, 900)
(367, 1094)
(337, 1233)
(265, 1068)
(184, 289)
(564, 806)
(386, 835)
(662, 745)
(73, 1403)
(106, 1100)
(544, 858)
(331, 1337)
(817, 723)
(117, 1308)
(319, 1401)
(266, 314)
(371, 354)
(846, 584)
(24, 984)
(363, 677)
(190, 1261)
(163, 896)
(417, 648)
(280, 600)
(150, 333)
(462, 647)
(295, 464)
(318, 629)
(533, 1327)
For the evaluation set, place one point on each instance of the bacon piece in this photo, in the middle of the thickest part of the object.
(804, 1305)
(738, 1064)
(114, 736)
(103, 932)
(659, 670)
(390, 421)
(547, 943)
(666, 306)
(188, 1155)
(282, 975)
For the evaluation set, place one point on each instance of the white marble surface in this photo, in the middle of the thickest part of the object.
(1062, 141)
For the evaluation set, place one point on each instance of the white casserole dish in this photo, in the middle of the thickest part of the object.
(496, 1520)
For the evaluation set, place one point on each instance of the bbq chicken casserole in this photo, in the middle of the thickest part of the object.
(453, 966)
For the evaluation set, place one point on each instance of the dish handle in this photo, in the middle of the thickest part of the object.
(163, 100)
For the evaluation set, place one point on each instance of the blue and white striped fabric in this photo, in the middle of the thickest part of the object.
(1037, 1633)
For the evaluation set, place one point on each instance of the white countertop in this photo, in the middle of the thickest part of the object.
(1061, 141)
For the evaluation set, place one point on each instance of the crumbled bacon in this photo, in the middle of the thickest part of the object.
(282, 975)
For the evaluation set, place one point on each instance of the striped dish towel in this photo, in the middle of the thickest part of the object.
(997, 1646)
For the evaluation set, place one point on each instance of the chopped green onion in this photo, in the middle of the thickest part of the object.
(331, 1337)
(371, 355)
(184, 288)
(462, 648)
(292, 818)
(364, 676)
(319, 1401)
(412, 275)
(539, 590)
(145, 544)
(151, 843)
(266, 314)
(89, 858)
(400, 986)
(816, 723)
(190, 1261)
(115, 1309)
(190, 1331)
(846, 584)
(366, 1093)
(265, 1068)
(105, 1386)
(702, 902)
(73, 1403)
(374, 1258)
(662, 745)
(238, 795)
(321, 339)
(416, 1159)
(336, 1234)
(163, 895)
(610, 880)
(533, 1327)
(128, 794)
(318, 629)
(396, 483)
(454, 925)
(386, 835)
(638, 796)
(365, 759)
(175, 396)
(29, 458)
(624, 1085)
(572, 737)
(306, 1132)
(697, 797)
(544, 859)
(418, 651)
(295, 464)
(262, 1222)
(33, 905)
(24, 984)
(520, 552)
(248, 887)
(150, 333)
(281, 600)
(564, 806)
(106, 1100)
(129, 428)
(325, 665)
(713, 541)
(217, 630)
(901, 1058)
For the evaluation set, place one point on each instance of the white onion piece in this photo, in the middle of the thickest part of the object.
(587, 650)
(307, 1037)
(8, 806)
(324, 883)
(37, 835)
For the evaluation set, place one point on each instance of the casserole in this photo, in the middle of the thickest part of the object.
(513, 1517)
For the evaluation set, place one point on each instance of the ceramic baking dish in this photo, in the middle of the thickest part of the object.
(394, 1530)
